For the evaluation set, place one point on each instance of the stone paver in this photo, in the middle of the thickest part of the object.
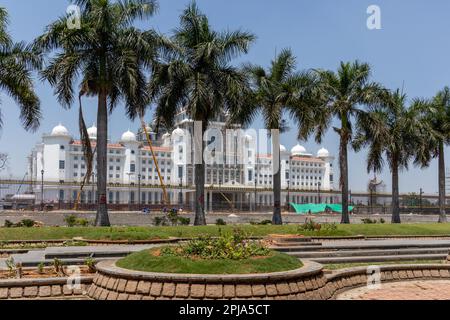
(407, 290)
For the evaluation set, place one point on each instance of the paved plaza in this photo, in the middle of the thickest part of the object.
(409, 290)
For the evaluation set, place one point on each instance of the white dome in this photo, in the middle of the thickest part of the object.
(92, 132)
(60, 130)
(298, 150)
(323, 153)
(166, 135)
(128, 137)
(282, 148)
(178, 132)
(248, 138)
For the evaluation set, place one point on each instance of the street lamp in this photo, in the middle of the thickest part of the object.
(42, 190)
(318, 191)
(420, 199)
(139, 191)
(256, 187)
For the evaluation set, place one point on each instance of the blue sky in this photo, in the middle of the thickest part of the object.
(412, 48)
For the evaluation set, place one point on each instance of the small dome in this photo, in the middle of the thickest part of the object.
(60, 130)
(92, 132)
(298, 150)
(248, 138)
(282, 148)
(178, 132)
(128, 137)
(166, 135)
(323, 153)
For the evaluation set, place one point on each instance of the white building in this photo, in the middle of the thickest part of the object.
(235, 174)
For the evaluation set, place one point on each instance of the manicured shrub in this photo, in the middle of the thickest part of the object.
(221, 222)
(233, 246)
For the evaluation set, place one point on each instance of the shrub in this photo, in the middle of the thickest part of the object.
(171, 218)
(73, 221)
(184, 221)
(90, 263)
(221, 222)
(262, 223)
(40, 268)
(8, 224)
(28, 223)
(370, 221)
(70, 220)
(309, 225)
(82, 222)
(227, 246)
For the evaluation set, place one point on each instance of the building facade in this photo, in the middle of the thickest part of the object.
(236, 175)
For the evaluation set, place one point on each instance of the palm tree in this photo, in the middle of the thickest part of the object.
(197, 76)
(16, 63)
(437, 116)
(391, 131)
(110, 55)
(276, 90)
(343, 95)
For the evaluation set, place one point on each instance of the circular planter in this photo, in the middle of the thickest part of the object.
(114, 283)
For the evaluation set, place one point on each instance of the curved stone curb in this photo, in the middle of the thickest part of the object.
(114, 283)
(43, 288)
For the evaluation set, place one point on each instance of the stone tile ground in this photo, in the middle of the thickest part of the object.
(408, 290)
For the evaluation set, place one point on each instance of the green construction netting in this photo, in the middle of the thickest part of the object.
(318, 208)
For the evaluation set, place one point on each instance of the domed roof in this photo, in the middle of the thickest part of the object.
(282, 148)
(323, 153)
(92, 132)
(60, 130)
(178, 132)
(248, 138)
(166, 135)
(298, 150)
(128, 137)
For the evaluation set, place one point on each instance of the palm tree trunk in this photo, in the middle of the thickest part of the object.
(200, 219)
(343, 166)
(442, 216)
(276, 218)
(395, 193)
(102, 218)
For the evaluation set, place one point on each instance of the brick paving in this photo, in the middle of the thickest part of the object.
(408, 290)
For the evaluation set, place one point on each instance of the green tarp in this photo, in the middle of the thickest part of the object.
(318, 208)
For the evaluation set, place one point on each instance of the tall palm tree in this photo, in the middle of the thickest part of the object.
(109, 56)
(344, 94)
(197, 76)
(437, 116)
(16, 63)
(391, 131)
(275, 91)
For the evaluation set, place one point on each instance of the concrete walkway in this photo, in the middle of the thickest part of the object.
(408, 290)
(74, 255)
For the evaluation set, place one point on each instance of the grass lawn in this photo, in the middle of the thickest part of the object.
(146, 261)
(144, 233)
(338, 266)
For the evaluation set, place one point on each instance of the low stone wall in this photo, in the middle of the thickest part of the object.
(351, 278)
(42, 288)
(114, 283)
(307, 283)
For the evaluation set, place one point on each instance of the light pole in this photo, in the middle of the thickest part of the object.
(94, 198)
(42, 190)
(318, 191)
(288, 193)
(420, 199)
(256, 188)
(139, 192)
